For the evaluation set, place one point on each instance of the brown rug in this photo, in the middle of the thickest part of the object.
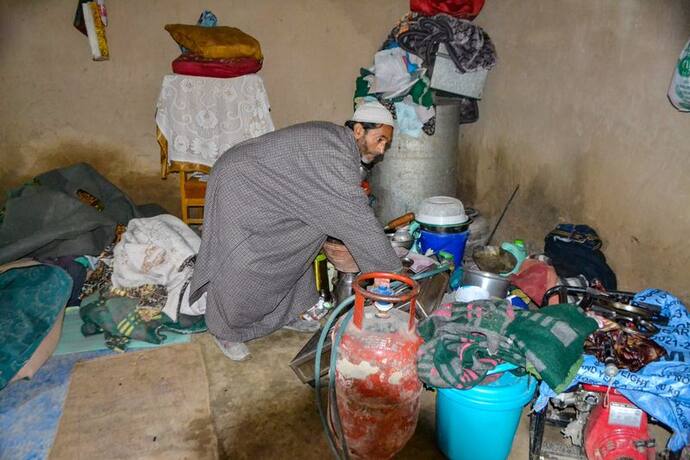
(152, 404)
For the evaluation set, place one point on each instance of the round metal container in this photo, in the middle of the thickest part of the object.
(417, 168)
(497, 286)
(400, 238)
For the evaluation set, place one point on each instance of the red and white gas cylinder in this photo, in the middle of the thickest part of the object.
(377, 389)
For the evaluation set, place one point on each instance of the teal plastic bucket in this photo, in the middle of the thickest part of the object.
(480, 423)
(453, 243)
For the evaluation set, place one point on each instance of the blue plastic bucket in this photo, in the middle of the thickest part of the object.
(480, 423)
(453, 243)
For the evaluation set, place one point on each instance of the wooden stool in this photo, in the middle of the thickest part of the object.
(192, 190)
(192, 195)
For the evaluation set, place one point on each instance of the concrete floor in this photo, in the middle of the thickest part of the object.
(261, 410)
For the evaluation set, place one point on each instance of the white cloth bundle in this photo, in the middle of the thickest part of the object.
(153, 251)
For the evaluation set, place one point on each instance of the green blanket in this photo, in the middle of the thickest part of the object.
(30, 300)
(461, 347)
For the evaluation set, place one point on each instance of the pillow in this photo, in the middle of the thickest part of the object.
(215, 42)
(217, 68)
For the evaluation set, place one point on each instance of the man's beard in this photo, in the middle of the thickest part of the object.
(362, 147)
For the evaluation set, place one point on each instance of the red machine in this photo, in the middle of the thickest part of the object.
(617, 429)
(603, 426)
(377, 388)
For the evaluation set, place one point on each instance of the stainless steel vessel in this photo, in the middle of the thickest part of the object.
(496, 285)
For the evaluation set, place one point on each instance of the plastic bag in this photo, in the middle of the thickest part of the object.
(679, 91)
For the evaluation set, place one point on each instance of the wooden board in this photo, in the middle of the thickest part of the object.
(145, 405)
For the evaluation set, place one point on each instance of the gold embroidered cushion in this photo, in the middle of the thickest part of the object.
(215, 42)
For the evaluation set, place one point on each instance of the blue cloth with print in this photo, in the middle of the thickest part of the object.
(661, 388)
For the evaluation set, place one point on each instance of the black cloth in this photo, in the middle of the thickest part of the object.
(75, 270)
(468, 45)
(575, 250)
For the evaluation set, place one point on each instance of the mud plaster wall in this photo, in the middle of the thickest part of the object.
(576, 113)
(59, 107)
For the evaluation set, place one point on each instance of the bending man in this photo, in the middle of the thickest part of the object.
(270, 204)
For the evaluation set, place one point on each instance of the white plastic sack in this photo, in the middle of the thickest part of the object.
(679, 91)
(391, 73)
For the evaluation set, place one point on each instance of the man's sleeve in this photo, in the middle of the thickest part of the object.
(338, 207)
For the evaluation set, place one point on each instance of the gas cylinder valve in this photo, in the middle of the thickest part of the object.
(382, 306)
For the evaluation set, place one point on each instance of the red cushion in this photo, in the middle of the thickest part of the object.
(188, 64)
(464, 9)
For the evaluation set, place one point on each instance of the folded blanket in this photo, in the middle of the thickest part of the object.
(464, 344)
(552, 341)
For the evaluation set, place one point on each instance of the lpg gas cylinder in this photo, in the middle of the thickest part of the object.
(377, 389)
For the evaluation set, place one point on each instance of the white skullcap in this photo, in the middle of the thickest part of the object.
(373, 112)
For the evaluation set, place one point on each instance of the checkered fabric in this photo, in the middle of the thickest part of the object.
(271, 202)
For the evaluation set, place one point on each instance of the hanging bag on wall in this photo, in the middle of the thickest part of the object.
(679, 91)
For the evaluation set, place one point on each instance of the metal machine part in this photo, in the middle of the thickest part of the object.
(583, 402)
(617, 306)
(601, 424)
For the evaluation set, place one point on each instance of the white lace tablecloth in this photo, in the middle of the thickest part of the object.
(202, 117)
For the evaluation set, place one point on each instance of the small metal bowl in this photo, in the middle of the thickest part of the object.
(493, 259)
(401, 238)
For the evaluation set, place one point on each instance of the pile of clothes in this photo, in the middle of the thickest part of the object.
(402, 75)
(214, 51)
(70, 237)
(139, 285)
(464, 341)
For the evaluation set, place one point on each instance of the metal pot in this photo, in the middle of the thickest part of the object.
(400, 238)
(493, 259)
(497, 286)
(343, 286)
(337, 254)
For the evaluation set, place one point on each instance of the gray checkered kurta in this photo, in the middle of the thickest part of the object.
(270, 203)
